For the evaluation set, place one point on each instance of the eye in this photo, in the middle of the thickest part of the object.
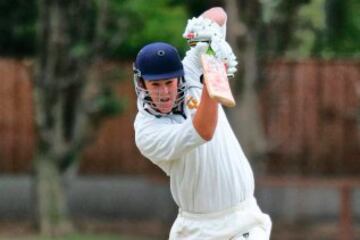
(154, 84)
(168, 83)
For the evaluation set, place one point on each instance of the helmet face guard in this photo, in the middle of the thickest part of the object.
(144, 95)
(158, 61)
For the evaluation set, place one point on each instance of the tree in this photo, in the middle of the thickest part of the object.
(139, 24)
(163, 21)
(319, 28)
(257, 29)
(69, 105)
(17, 27)
(243, 30)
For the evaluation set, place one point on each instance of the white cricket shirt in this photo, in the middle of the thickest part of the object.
(204, 176)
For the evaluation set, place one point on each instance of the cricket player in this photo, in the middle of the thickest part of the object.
(186, 133)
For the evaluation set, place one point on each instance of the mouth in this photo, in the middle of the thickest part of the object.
(165, 104)
(165, 100)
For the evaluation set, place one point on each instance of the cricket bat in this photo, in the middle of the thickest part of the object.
(216, 79)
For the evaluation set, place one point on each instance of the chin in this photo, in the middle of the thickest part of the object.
(165, 110)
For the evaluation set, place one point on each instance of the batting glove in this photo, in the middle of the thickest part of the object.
(196, 51)
(224, 52)
(200, 30)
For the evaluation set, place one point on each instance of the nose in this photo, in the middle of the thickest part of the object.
(165, 89)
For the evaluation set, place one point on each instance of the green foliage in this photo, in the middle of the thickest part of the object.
(130, 24)
(277, 20)
(310, 22)
(17, 27)
(110, 104)
(269, 10)
(279, 11)
(79, 50)
(342, 33)
(139, 22)
(327, 29)
(195, 8)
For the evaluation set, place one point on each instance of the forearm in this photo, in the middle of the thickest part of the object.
(206, 116)
(216, 14)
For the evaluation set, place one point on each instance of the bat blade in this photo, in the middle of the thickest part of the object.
(216, 80)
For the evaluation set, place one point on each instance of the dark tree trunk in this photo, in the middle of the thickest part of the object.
(65, 116)
(242, 36)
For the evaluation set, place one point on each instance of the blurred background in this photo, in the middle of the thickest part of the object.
(69, 167)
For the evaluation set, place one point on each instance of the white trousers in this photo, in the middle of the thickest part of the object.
(244, 221)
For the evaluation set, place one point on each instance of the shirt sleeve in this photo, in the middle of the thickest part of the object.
(192, 68)
(161, 141)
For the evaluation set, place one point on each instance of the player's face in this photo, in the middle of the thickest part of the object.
(163, 93)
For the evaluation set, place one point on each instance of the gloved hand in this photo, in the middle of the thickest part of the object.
(224, 52)
(203, 30)
(193, 55)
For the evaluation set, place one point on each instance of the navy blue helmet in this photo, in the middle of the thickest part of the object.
(157, 61)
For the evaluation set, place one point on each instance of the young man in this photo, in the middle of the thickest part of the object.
(186, 133)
